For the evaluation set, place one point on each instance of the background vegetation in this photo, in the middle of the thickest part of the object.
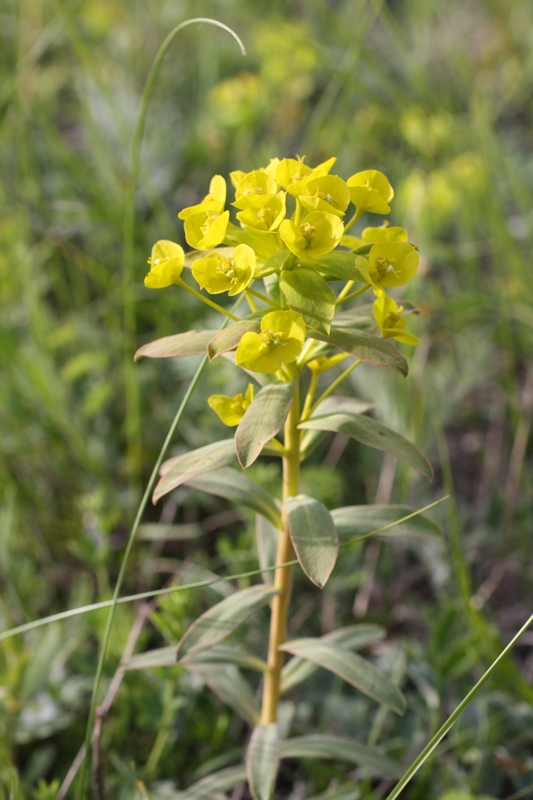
(437, 95)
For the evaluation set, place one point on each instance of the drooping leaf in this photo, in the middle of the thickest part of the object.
(229, 338)
(309, 442)
(350, 667)
(238, 488)
(308, 294)
(339, 266)
(267, 542)
(334, 404)
(222, 654)
(358, 318)
(180, 469)
(191, 343)
(262, 760)
(368, 348)
(360, 520)
(353, 637)
(219, 621)
(262, 420)
(339, 748)
(313, 536)
(162, 657)
(372, 433)
(210, 786)
(227, 682)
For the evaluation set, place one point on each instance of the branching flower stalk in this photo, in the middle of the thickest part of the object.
(296, 262)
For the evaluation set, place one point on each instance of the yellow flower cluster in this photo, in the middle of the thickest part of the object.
(292, 225)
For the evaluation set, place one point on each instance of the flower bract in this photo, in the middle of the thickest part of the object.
(317, 234)
(262, 213)
(328, 193)
(279, 342)
(206, 229)
(389, 264)
(213, 202)
(231, 409)
(166, 263)
(389, 316)
(370, 190)
(218, 273)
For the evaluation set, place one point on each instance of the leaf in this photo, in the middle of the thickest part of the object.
(351, 405)
(360, 520)
(339, 748)
(162, 657)
(221, 654)
(366, 347)
(360, 317)
(262, 760)
(212, 785)
(372, 433)
(350, 667)
(346, 791)
(220, 620)
(313, 536)
(239, 489)
(227, 682)
(183, 468)
(353, 637)
(274, 264)
(191, 343)
(308, 294)
(267, 542)
(338, 266)
(229, 338)
(262, 420)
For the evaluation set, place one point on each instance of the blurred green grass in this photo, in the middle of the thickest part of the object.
(437, 95)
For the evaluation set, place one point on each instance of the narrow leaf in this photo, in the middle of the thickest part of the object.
(360, 520)
(238, 488)
(262, 760)
(162, 657)
(183, 468)
(229, 338)
(211, 785)
(267, 542)
(219, 621)
(368, 348)
(191, 343)
(308, 294)
(263, 419)
(313, 536)
(346, 791)
(353, 637)
(221, 654)
(350, 667)
(227, 682)
(374, 434)
(339, 748)
(351, 405)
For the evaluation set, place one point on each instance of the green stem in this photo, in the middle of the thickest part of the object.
(331, 388)
(342, 300)
(261, 297)
(345, 291)
(132, 414)
(310, 393)
(207, 301)
(353, 220)
(283, 574)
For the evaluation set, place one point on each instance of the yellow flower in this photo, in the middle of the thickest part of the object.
(371, 191)
(262, 213)
(328, 193)
(257, 182)
(388, 315)
(318, 233)
(389, 264)
(213, 202)
(166, 263)
(280, 341)
(217, 273)
(231, 409)
(206, 229)
(384, 233)
(292, 170)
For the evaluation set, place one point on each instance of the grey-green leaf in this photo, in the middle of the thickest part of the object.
(346, 791)
(191, 343)
(210, 786)
(238, 488)
(339, 748)
(308, 294)
(313, 536)
(262, 760)
(162, 657)
(227, 682)
(372, 433)
(361, 520)
(267, 543)
(353, 637)
(333, 404)
(222, 654)
(339, 266)
(368, 348)
(262, 420)
(350, 667)
(220, 620)
(180, 469)
(230, 337)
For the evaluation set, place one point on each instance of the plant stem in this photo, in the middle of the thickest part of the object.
(341, 300)
(261, 296)
(207, 301)
(282, 578)
(334, 385)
